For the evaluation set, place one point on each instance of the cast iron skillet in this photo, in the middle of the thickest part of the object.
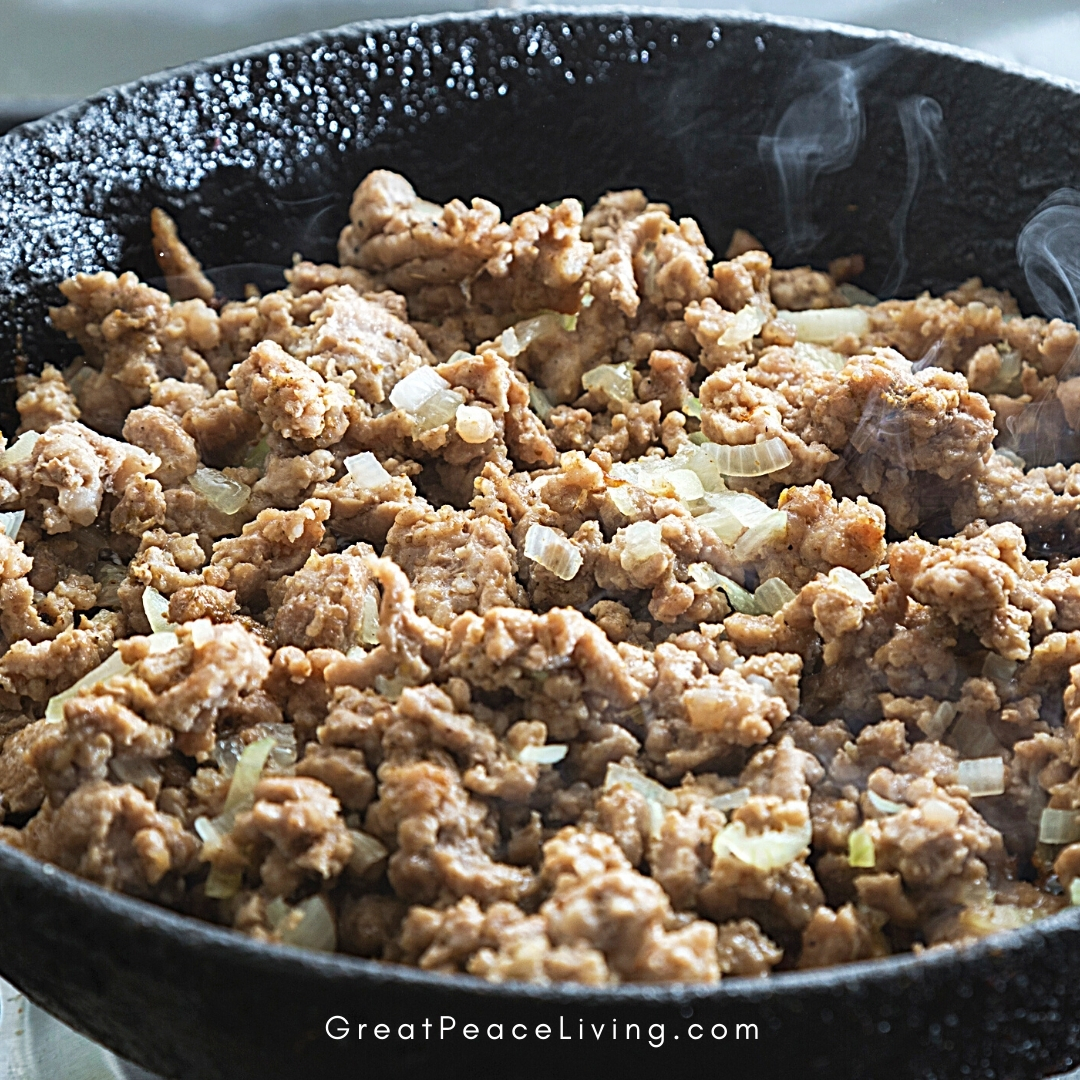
(256, 155)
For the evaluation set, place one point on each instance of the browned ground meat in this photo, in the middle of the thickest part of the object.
(444, 622)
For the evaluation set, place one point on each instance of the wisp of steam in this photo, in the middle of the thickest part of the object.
(819, 133)
(921, 123)
(1048, 250)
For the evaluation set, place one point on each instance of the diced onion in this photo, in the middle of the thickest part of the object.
(823, 326)
(221, 492)
(163, 641)
(982, 776)
(824, 357)
(223, 884)
(739, 598)
(769, 530)
(861, 849)
(530, 330)
(367, 471)
(508, 344)
(724, 523)
(747, 325)
(1059, 826)
(20, 449)
(692, 407)
(883, 805)
(277, 911)
(227, 751)
(658, 797)
(731, 800)
(1074, 892)
(114, 665)
(11, 523)
(156, 608)
(208, 830)
(998, 668)
(769, 850)
(438, 410)
(614, 380)
(369, 619)
(367, 852)
(773, 594)
(993, 918)
(257, 455)
(622, 498)
(412, 391)
(852, 584)
(315, 930)
(245, 780)
(549, 754)
(971, 737)
(643, 540)
(539, 402)
(202, 632)
(686, 484)
(1011, 365)
(937, 723)
(390, 688)
(753, 459)
(473, 424)
(552, 551)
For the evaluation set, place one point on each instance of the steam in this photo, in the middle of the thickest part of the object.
(819, 133)
(921, 122)
(1048, 251)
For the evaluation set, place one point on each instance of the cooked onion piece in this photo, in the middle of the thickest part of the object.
(1059, 826)
(114, 665)
(11, 523)
(982, 776)
(658, 797)
(772, 594)
(548, 754)
(752, 459)
(367, 471)
(731, 800)
(770, 529)
(220, 491)
(552, 551)
(822, 326)
(367, 852)
(427, 399)
(819, 354)
(20, 449)
(861, 849)
(883, 805)
(156, 608)
(539, 402)
(738, 597)
(643, 541)
(614, 380)
(769, 850)
(935, 725)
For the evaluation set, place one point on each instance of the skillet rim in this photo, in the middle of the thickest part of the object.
(203, 936)
(208, 937)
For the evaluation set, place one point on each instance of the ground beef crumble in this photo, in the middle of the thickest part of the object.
(431, 600)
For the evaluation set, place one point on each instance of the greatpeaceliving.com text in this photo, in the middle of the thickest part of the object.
(562, 1029)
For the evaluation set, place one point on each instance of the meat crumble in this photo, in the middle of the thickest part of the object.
(547, 600)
